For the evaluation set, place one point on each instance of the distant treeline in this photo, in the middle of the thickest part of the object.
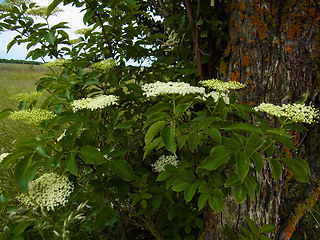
(18, 61)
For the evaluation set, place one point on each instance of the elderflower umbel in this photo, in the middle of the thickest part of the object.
(162, 88)
(60, 62)
(47, 192)
(41, 11)
(94, 103)
(220, 86)
(159, 165)
(216, 95)
(104, 65)
(292, 112)
(32, 116)
(27, 97)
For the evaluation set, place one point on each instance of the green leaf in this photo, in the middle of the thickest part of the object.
(276, 168)
(71, 163)
(52, 6)
(160, 107)
(250, 184)
(152, 131)
(253, 143)
(219, 155)
(257, 161)
(131, 2)
(299, 168)
(167, 135)
(216, 203)
(203, 200)
(190, 191)
(49, 37)
(282, 137)
(151, 146)
(232, 181)
(245, 127)
(20, 172)
(243, 164)
(182, 108)
(240, 193)
(267, 228)
(91, 155)
(214, 134)
(5, 113)
(180, 184)
(163, 176)
(253, 227)
(89, 14)
(194, 139)
(21, 227)
(122, 169)
(156, 118)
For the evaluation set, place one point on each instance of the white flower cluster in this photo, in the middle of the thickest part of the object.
(75, 41)
(27, 97)
(3, 156)
(293, 112)
(220, 86)
(47, 192)
(171, 42)
(216, 95)
(41, 11)
(162, 88)
(94, 103)
(104, 65)
(32, 116)
(159, 165)
(60, 62)
(82, 31)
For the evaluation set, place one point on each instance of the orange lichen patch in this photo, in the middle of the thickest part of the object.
(236, 63)
(235, 76)
(299, 211)
(241, 39)
(267, 59)
(253, 41)
(242, 16)
(294, 30)
(249, 74)
(246, 60)
(264, 194)
(212, 220)
(251, 103)
(242, 7)
(260, 25)
(289, 49)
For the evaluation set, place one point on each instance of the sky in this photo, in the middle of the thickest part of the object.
(70, 14)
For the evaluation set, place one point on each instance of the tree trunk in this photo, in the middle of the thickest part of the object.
(273, 48)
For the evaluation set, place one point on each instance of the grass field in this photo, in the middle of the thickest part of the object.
(14, 79)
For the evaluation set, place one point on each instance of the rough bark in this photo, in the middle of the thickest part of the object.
(274, 49)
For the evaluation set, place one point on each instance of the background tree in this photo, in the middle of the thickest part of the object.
(268, 45)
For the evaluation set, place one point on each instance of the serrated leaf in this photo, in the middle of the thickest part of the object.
(240, 193)
(214, 134)
(257, 161)
(20, 172)
(52, 6)
(182, 108)
(167, 135)
(299, 168)
(91, 155)
(163, 176)
(151, 146)
(219, 155)
(180, 184)
(232, 181)
(281, 136)
(194, 139)
(216, 203)
(152, 131)
(122, 169)
(21, 226)
(242, 164)
(267, 228)
(190, 191)
(245, 127)
(203, 200)
(250, 184)
(89, 14)
(276, 168)
(253, 143)
(71, 163)
(253, 227)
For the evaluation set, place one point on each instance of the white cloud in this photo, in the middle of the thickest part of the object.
(70, 14)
